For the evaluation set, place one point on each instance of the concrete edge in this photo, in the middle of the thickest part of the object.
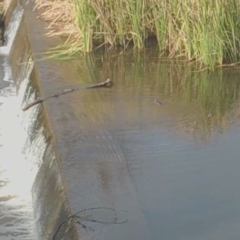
(50, 201)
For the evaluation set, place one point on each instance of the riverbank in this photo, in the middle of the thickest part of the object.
(180, 28)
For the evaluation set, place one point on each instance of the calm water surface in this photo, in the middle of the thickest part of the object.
(182, 154)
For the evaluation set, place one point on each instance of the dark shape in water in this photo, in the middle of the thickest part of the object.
(90, 215)
(158, 102)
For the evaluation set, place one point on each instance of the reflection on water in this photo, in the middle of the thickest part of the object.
(182, 156)
(200, 103)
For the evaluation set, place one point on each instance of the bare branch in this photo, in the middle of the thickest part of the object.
(106, 84)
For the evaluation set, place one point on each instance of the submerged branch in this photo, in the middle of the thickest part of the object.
(83, 215)
(106, 84)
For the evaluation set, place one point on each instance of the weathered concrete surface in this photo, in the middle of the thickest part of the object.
(90, 162)
(51, 205)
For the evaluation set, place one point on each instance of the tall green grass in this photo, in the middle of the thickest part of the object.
(206, 31)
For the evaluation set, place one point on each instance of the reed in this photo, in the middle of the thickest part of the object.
(206, 31)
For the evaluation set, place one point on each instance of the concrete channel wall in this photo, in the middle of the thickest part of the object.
(86, 169)
(50, 201)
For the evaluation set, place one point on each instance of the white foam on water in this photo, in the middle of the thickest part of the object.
(21, 146)
(19, 161)
(7, 71)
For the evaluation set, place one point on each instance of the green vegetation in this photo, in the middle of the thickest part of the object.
(205, 31)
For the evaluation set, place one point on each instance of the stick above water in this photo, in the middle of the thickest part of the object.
(106, 84)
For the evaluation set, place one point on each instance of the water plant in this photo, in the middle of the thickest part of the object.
(206, 31)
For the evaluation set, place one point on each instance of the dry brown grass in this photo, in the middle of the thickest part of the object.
(61, 17)
(201, 30)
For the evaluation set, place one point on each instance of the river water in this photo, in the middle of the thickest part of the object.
(16, 173)
(19, 160)
(177, 131)
(19, 154)
(183, 155)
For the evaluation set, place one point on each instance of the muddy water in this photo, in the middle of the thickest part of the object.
(174, 165)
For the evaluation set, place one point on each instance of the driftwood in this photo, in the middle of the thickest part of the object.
(106, 84)
(88, 216)
(158, 102)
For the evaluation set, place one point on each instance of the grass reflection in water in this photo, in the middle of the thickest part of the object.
(213, 97)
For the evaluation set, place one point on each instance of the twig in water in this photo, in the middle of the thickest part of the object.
(84, 216)
(106, 84)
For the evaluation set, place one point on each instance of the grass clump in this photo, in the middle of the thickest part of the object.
(207, 31)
